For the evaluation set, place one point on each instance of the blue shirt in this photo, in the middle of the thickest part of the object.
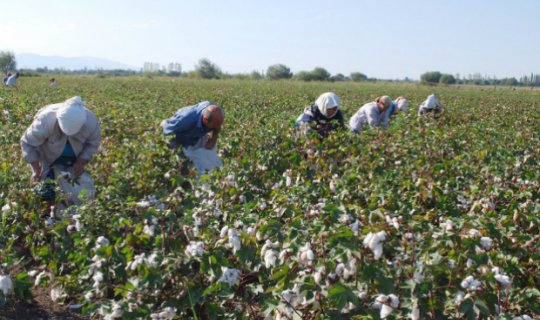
(187, 125)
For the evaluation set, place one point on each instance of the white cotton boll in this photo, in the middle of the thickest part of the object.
(496, 270)
(288, 181)
(6, 208)
(230, 276)
(98, 277)
(284, 254)
(354, 227)
(386, 310)
(415, 312)
(486, 242)
(460, 296)
(377, 251)
(40, 276)
(394, 300)
(469, 262)
(224, 231)
(149, 230)
(6, 285)
(102, 242)
(270, 258)
(345, 218)
(319, 275)
(262, 205)
(504, 280)
(251, 231)
(195, 248)
(332, 187)
(89, 296)
(143, 204)
(235, 243)
(473, 233)
(340, 268)
(116, 311)
(418, 277)
(56, 293)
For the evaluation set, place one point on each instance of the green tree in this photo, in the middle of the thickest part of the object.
(339, 77)
(320, 74)
(303, 76)
(358, 77)
(7, 61)
(447, 79)
(431, 77)
(207, 70)
(255, 75)
(278, 71)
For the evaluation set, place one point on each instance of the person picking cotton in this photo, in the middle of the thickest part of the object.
(60, 142)
(372, 113)
(191, 128)
(322, 116)
(430, 105)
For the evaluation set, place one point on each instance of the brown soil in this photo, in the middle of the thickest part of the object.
(40, 307)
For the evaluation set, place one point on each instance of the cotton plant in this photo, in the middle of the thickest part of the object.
(386, 303)
(194, 249)
(57, 293)
(268, 253)
(471, 284)
(6, 285)
(504, 280)
(306, 257)
(233, 238)
(168, 313)
(374, 241)
(230, 276)
(486, 242)
(102, 242)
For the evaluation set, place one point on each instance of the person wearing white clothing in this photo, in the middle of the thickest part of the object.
(430, 105)
(399, 105)
(372, 113)
(59, 143)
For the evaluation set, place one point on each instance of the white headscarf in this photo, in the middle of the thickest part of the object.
(402, 104)
(431, 102)
(71, 115)
(325, 101)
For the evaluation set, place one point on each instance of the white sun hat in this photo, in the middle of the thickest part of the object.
(71, 115)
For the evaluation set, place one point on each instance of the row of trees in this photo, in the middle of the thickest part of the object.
(205, 69)
(436, 77)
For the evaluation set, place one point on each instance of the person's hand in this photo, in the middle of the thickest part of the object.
(210, 143)
(36, 177)
(78, 166)
(36, 172)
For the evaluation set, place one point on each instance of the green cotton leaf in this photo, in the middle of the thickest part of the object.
(385, 284)
(341, 295)
(532, 292)
(482, 307)
(22, 285)
(466, 306)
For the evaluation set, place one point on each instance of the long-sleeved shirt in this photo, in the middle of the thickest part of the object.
(186, 124)
(313, 118)
(44, 141)
(11, 81)
(368, 114)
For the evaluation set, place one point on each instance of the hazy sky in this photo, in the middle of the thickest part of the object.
(381, 38)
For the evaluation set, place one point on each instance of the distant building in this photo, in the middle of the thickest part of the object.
(174, 67)
(151, 67)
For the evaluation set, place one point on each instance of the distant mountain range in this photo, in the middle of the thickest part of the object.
(34, 61)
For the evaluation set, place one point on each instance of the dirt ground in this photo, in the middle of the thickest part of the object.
(40, 307)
